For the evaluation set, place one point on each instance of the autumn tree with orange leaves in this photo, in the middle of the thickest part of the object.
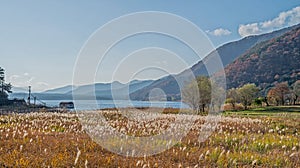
(279, 93)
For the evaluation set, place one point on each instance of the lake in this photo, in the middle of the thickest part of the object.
(102, 104)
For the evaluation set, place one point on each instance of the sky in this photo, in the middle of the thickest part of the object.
(40, 41)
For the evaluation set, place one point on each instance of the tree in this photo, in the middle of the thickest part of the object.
(4, 87)
(204, 86)
(279, 93)
(247, 93)
(190, 95)
(232, 97)
(273, 96)
(197, 94)
(259, 100)
(296, 91)
(265, 100)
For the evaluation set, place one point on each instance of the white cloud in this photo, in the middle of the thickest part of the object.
(295, 16)
(290, 17)
(13, 77)
(24, 80)
(21, 80)
(41, 86)
(43, 83)
(249, 29)
(219, 32)
(287, 18)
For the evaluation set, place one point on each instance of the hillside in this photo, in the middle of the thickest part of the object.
(228, 53)
(275, 60)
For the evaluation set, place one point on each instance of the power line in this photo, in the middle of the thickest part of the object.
(34, 97)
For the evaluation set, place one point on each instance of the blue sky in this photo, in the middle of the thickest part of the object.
(40, 40)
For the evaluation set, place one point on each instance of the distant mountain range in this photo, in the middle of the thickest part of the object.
(261, 59)
(114, 90)
(100, 90)
(61, 90)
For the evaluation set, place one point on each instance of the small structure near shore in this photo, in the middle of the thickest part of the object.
(17, 102)
(66, 105)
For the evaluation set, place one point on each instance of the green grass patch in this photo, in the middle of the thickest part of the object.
(291, 111)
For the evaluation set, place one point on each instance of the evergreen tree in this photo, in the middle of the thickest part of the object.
(5, 88)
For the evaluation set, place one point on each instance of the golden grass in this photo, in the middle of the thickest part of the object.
(57, 140)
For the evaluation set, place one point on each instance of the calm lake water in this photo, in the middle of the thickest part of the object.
(102, 104)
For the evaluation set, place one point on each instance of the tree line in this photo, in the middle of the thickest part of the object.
(5, 88)
(198, 94)
(283, 94)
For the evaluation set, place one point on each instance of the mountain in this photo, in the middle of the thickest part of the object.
(227, 52)
(86, 89)
(268, 62)
(61, 90)
(114, 90)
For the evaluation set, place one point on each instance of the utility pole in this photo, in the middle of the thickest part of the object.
(29, 93)
(2, 79)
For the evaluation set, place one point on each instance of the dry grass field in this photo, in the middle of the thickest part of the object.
(246, 139)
